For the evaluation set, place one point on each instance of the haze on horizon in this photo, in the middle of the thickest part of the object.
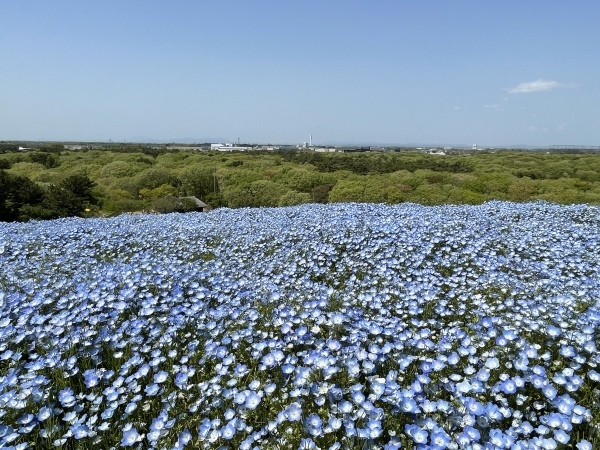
(463, 72)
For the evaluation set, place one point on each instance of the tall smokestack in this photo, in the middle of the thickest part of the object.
(310, 144)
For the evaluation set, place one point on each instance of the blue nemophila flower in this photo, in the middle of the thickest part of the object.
(184, 438)
(335, 423)
(181, 380)
(439, 438)
(130, 436)
(473, 406)
(25, 419)
(70, 417)
(473, 433)
(508, 386)
(408, 405)
(66, 397)
(269, 360)
(307, 444)
(229, 414)
(417, 434)
(565, 404)
(428, 407)
(393, 444)
(567, 351)
(161, 377)
(152, 389)
(228, 431)
(545, 443)
(561, 437)
(357, 396)
(252, 400)
(590, 347)
(79, 430)
(492, 363)
(553, 331)
(91, 378)
(44, 413)
(154, 435)
(313, 425)
(204, 428)
(497, 438)
(393, 305)
(345, 407)
(538, 381)
(158, 423)
(463, 387)
(522, 363)
(293, 412)
(239, 398)
(584, 445)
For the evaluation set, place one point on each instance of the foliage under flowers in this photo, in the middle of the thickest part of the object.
(338, 326)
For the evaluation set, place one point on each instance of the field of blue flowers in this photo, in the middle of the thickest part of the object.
(311, 327)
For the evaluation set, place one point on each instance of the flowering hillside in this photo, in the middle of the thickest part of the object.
(320, 326)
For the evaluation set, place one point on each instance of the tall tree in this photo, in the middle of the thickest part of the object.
(71, 196)
(15, 193)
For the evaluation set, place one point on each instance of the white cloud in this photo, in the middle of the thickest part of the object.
(494, 106)
(534, 86)
(456, 108)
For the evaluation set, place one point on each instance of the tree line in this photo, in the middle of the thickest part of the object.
(22, 199)
(50, 182)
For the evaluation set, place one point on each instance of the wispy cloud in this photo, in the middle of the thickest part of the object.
(493, 106)
(534, 86)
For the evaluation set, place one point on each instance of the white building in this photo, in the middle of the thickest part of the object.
(228, 148)
(232, 148)
(324, 150)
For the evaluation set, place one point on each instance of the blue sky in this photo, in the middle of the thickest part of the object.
(430, 72)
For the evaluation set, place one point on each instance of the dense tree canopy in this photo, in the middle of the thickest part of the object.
(18, 195)
(50, 182)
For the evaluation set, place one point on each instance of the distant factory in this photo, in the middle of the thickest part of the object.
(219, 147)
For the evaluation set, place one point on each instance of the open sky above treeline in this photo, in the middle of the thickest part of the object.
(390, 72)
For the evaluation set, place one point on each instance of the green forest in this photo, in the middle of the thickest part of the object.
(50, 182)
